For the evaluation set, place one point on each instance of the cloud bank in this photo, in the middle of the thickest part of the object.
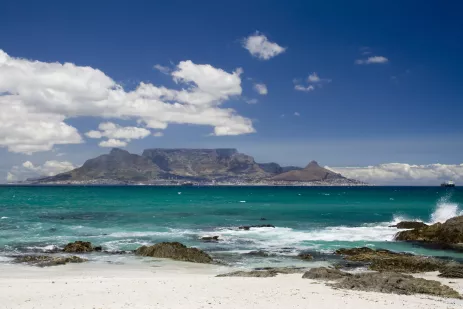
(29, 170)
(37, 97)
(405, 174)
(372, 60)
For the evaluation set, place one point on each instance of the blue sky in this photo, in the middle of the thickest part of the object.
(407, 109)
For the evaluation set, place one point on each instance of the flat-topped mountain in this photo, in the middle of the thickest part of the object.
(312, 172)
(205, 162)
(169, 166)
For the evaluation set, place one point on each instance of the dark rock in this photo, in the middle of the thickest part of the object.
(210, 238)
(406, 264)
(395, 283)
(323, 273)
(449, 233)
(260, 253)
(252, 273)
(248, 227)
(265, 272)
(454, 271)
(409, 225)
(78, 247)
(305, 256)
(98, 249)
(48, 260)
(283, 270)
(175, 251)
(263, 219)
(385, 260)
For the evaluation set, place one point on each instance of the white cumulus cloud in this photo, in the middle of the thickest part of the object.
(37, 97)
(261, 89)
(372, 60)
(112, 142)
(162, 69)
(259, 46)
(29, 170)
(116, 132)
(402, 173)
(313, 80)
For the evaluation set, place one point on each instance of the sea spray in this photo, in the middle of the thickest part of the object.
(445, 210)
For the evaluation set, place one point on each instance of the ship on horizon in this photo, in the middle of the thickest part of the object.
(448, 183)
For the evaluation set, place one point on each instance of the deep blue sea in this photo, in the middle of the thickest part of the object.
(317, 219)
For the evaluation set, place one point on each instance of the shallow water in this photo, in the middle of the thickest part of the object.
(319, 219)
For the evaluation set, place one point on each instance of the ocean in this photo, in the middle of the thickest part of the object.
(314, 219)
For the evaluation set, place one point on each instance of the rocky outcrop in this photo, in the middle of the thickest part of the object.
(365, 254)
(409, 225)
(452, 271)
(48, 260)
(385, 260)
(395, 283)
(175, 251)
(448, 233)
(79, 247)
(323, 273)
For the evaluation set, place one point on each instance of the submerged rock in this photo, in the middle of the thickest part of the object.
(248, 227)
(367, 254)
(409, 225)
(210, 238)
(454, 271)
(79, 247)
(395, 283)
(260, 253)
(175, 251)
(448, 233)
(48, 260)
(323, 273)
(305, 256)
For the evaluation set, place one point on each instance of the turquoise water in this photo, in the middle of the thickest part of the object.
(318, 219)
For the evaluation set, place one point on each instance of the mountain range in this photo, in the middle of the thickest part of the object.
(202, 166)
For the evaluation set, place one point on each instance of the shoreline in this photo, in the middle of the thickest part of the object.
(174, 284)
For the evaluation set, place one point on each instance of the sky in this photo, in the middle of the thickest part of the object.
(370, 89)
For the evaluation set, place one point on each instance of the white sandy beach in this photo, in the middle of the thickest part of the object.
(185, 285)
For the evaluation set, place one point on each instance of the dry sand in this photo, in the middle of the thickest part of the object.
(185, 285)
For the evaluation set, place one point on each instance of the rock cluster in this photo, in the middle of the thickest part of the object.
(48, 260)
(265, 272)
(448, 233)
(80, 247)
(385, 260)
(396, 283)
(323, 273)
(175, 251)
(409, 225)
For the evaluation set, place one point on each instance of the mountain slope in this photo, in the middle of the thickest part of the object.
(117, 165)
(312, 172)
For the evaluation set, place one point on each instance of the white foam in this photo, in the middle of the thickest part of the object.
(445, 210)
(242, 201)
(44, 248)
(171, 233)
(3, 218)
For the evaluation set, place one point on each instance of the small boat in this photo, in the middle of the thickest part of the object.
(448, 184)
